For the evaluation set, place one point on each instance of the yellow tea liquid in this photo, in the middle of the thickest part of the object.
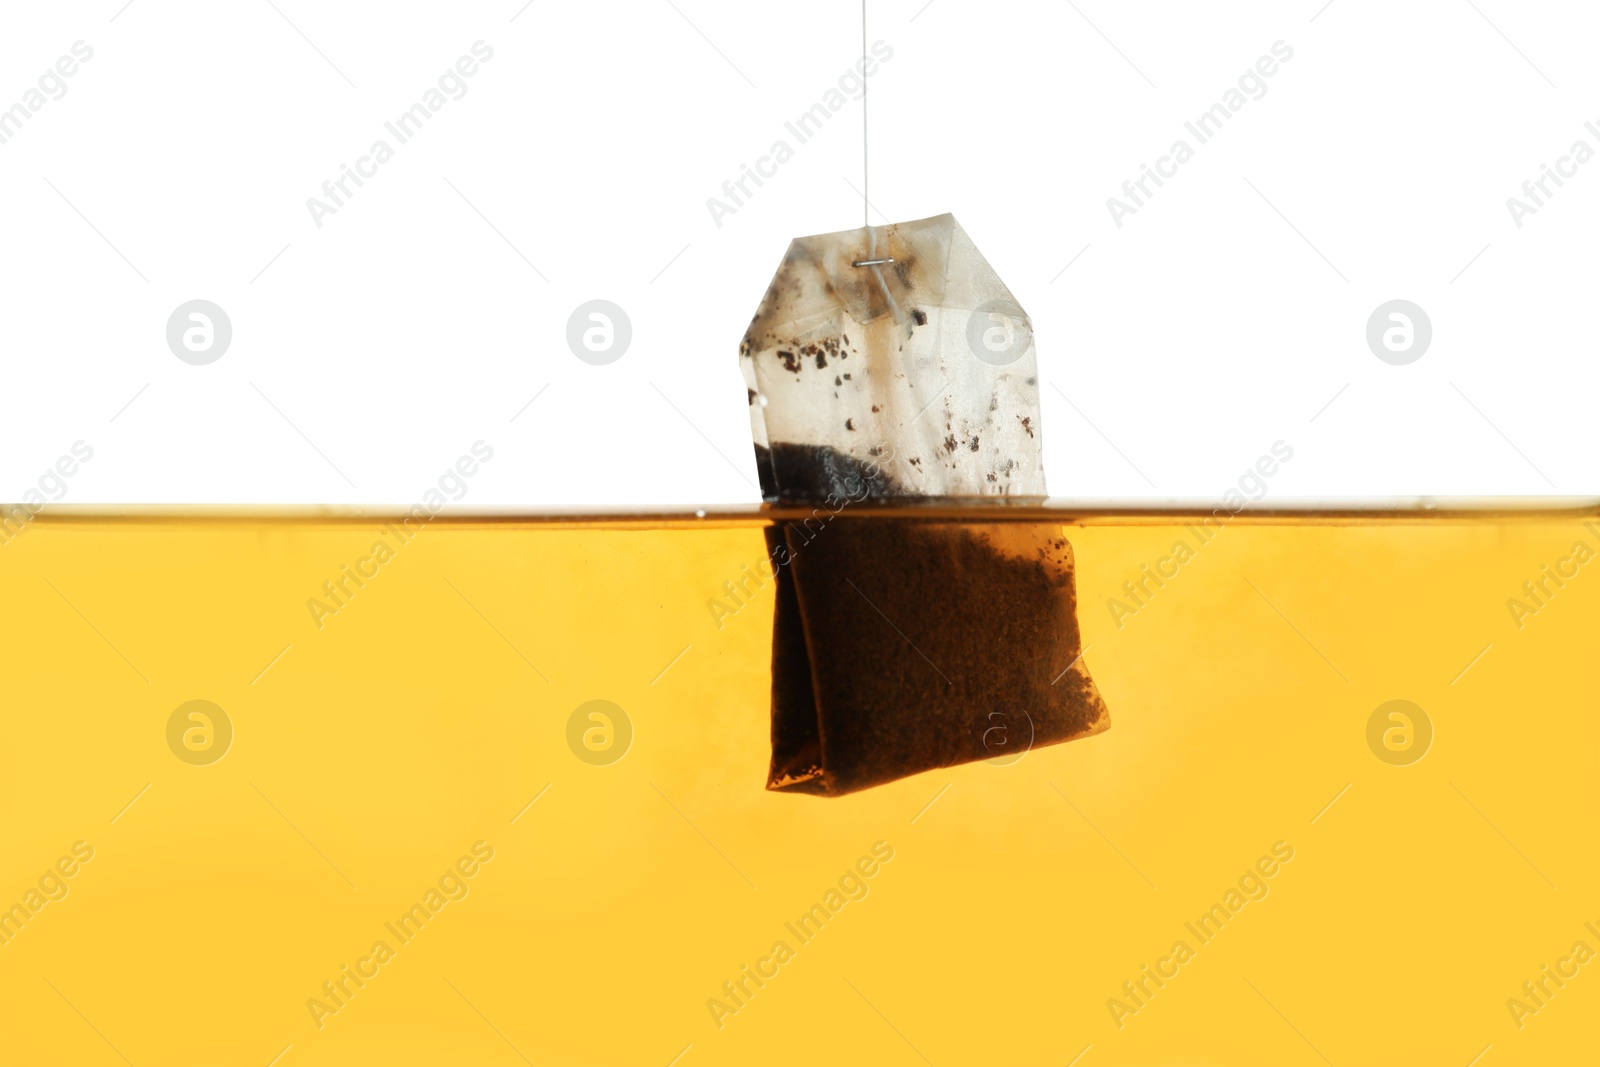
(499, 799)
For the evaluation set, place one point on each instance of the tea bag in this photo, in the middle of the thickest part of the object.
(892, 365)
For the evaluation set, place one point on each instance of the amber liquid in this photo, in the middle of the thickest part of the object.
(1386, 884)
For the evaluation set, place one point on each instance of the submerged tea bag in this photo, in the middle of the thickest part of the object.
(893, 365)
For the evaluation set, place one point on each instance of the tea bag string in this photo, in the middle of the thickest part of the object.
(866, 170)
(873, 260)
(877, 272)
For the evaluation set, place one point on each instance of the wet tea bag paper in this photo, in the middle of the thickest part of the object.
(920, 369)
(891, 365)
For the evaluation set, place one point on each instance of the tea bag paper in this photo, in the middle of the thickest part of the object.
(893, 365)
(921, 368)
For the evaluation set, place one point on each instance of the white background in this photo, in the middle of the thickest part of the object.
(1227, 314)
